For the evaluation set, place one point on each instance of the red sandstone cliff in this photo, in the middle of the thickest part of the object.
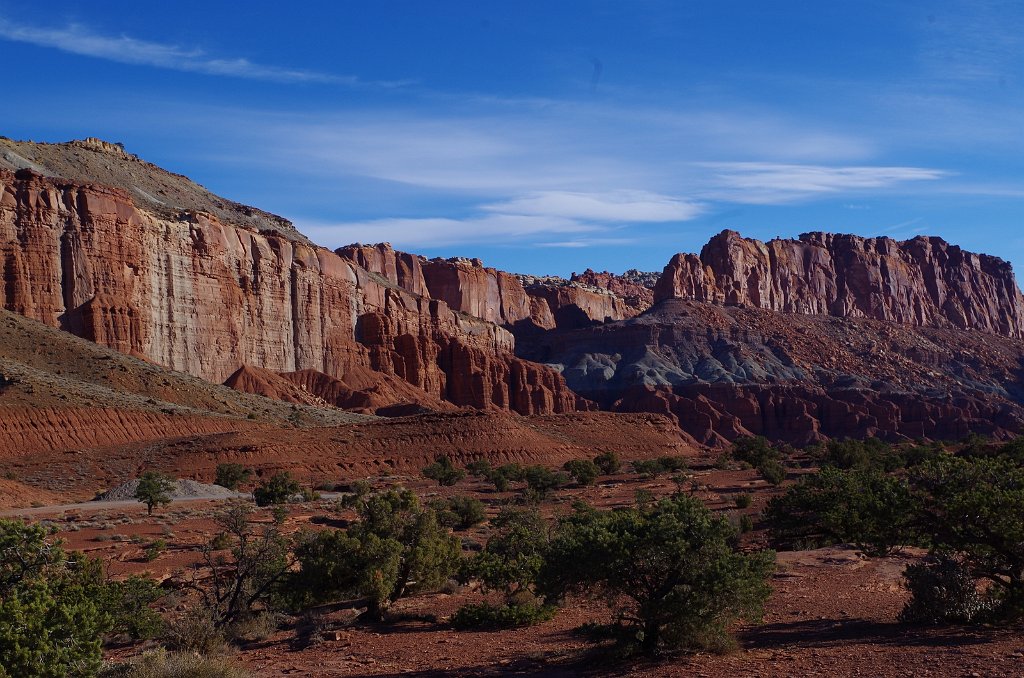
(205, 297)
(923, 281)
(469, 287)
(635, 288)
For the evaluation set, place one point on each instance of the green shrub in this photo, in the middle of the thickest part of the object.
(583, 471)
(397, 548)
(459, 512)
(772, 471)
(444, 472)
(505, 475)
(865, 507)
(477, 616)
(278, 490)
(231, 475)
(154, 550)
(754, 450)
(163, 664)
(195, 632)
(649, 468)
(943, 590)
(543, 481)
(673, 464)
(51, 605)
(480, 468)
(670, 570)
(608, 462)
(862, 454)
(743, 501)
(746, 524)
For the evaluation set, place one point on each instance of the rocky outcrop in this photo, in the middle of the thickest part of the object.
(725, 371)
(924, 281)
(635, 288)
(205, 297)
(521, 303)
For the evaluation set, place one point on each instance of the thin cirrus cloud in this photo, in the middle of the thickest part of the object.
(434, 232)
(77, 39)
(620, 205)
(774, 183)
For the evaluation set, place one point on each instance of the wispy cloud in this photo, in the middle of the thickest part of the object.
(435, 232)
(621, 205)
(78, 39)
(773, 183)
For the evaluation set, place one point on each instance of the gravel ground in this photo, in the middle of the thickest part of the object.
(182, 489)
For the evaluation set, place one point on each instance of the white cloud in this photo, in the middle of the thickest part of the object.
(621, 205)
(432, 232)
(773, 183)
(77, 39)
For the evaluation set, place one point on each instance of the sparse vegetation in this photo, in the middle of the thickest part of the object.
(444, 472)
(231, 475)
(397, 547)
(154, 489)
(278, 490)
(669, 570)
(608, 462)
(583, 471)
(460, 512)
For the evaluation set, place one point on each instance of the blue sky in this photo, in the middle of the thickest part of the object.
(546, 137)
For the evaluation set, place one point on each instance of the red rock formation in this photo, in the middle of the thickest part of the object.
(469, 287)
(205, 297)
(631, 287)
(923, 281)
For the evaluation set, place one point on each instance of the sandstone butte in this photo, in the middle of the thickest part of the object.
(924, 281)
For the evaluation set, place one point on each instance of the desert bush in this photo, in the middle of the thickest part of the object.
(608, 462)
(444, 472)
(772, 471)
(459, 512)
(649, 468)
(153, 551)
(754, 450)
(943, 590)
(509, 563)
(489, 616)
(357, 492)
(231, 475)
(154, 489)
(128, 603)
(51, 605)
(195, 632)
(397, 548)
(243, 584)
(670, 571)
(970, 510)
(506, 474)
(746, 524)
(481, 468)
(673, 463)
(277, 490)
(583, 471)
(864, 507)
(861, 454)
(542, 481)
(743, 501)
(160, 663)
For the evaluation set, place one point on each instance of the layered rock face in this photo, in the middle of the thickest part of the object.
(635, 288)
(205, 297)
(521, 303)
(924, 281)
(724, 371)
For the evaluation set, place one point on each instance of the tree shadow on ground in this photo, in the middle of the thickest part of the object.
(822, 633)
